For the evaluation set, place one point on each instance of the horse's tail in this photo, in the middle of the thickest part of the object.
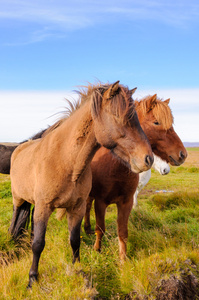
(61, 212)
(20, 220)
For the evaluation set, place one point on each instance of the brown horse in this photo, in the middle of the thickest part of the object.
(54, 171)
(7, 150)
(5, 155)
(112, 182)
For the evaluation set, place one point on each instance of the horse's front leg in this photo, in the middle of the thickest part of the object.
(87, 222)
(41, 216)
(74, 226)
(100, 210)
(123, 212)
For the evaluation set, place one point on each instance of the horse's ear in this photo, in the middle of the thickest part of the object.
(167, 101)
(113, 89)
(133, 91)
(151, 102)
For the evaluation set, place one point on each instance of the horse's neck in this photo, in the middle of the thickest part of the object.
(85, 155)
(84, 144)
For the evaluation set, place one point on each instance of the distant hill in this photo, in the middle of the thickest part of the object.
(8, 144)
(193, 144)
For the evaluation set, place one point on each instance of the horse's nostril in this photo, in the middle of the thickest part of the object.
(182, 155)
(165, 171)
(148, 160)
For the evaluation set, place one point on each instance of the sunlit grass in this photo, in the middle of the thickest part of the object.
(163, 241)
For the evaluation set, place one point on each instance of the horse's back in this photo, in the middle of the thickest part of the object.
(22, 147)
(23, 157)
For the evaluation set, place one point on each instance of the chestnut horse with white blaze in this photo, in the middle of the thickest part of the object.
(55, 172)
(112, 182)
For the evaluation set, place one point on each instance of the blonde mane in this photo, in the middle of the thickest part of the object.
(159, 108)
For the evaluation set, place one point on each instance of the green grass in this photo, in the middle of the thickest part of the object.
(191, 149)
(163, 241)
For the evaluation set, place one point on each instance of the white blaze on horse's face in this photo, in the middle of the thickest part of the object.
(160, 165)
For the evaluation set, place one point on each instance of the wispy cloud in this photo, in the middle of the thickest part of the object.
(173, 13)
(44, 12)
(26, 113)
(56, 18)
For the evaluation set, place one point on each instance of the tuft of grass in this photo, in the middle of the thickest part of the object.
(173, 200)
(140, 277)
(185, 169)
(5, 190)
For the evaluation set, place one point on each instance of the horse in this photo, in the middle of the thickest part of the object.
(159, 165)
(112, 182)
(7, 150)
(5, 155)
(55, 171)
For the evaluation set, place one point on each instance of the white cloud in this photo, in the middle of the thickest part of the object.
(23, 114)
(180, 99)
(184, 104)
(187, 126)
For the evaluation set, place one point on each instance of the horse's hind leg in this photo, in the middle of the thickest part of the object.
(100, 209)
(41, 216)
(87, 223)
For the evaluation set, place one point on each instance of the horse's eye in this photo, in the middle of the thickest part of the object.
(156, 123)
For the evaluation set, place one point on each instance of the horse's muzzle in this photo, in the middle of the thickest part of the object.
(180, 160)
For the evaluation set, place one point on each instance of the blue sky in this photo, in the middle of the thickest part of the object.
(48, 48)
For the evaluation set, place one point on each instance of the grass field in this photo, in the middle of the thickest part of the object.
(163, 247)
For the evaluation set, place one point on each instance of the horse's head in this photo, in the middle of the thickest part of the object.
(160, 165)
(117, 126)
(157, 122)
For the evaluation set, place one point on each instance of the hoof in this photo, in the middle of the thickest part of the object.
(96, 248)
(76, 259)
(32, 279)
(89, 231)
